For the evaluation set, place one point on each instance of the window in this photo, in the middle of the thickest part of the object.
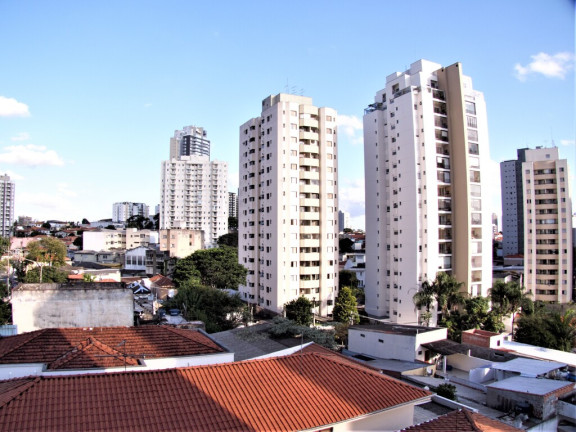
(470, 108)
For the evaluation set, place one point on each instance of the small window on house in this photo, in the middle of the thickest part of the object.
(362, 335)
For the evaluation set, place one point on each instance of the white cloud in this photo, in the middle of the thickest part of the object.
(551, 66)
(351, 127)
(567, 143)
(13, 175)
(64, 190)
(147, 105)
(12, 108)
(30, 155)
(22, 136)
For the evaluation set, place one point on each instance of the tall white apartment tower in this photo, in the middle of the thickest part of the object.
(194, 193)
(427, 200)
(122, 211)
(287, 204)
(547, 226)
(7, 189)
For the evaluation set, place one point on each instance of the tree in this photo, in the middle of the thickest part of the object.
(424, 298)
(347, 278)
(230, 239)
(232, 223)
(49, 275)
(447, 292)
(549, 330)
(300, 311)
(5, 305)
(4, 245)
(139, 222)
(345, 308)
(85, 221)
(447, 390)
(217, 268)
(47, 249)
(216, 308)
(78, 241)
(345, 245)
(508, 298)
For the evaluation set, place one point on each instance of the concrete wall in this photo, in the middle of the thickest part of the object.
(466, 363)
(37, 306)
(543, 407)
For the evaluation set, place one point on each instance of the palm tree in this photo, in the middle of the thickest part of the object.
(508, 298)
(563, 327)
(424, 298)
(447, 292)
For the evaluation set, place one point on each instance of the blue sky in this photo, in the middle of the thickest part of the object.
(92, 91)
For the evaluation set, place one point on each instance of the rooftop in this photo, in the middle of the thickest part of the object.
(463, 421)
(528, 367)
(70, 286)
(396, 328)
(534, 386)
(282, 393)
(102, 347)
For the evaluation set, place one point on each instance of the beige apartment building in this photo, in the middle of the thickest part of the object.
(547, 226)
(426, 156)
(181, 243)
(288, 204)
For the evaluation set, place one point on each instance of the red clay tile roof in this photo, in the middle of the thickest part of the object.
(74, 348)
(162, 281)
(463, 421)
(275, 394)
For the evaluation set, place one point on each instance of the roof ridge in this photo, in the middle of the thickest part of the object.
(176, 331)
(32, 335)
(471, 419)
(83, 347)
(28, 383)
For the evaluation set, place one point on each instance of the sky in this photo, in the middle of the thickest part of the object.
(92, 91)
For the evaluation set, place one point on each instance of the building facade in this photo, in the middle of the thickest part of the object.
(233, 204)
(427, 203)
(181, 243)
(547, 226)
(287, 218)
(512, 204)
(122, 211)
(189, 141)
(194, 196)
(7, 189)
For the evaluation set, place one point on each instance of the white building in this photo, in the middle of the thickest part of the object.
(512, 204)
(122, 211)
(194, 196)
(104, 240)
(181, 243)
(343, 220)
(7, 189)
(547, 226)
(427, 199)
(288, 225)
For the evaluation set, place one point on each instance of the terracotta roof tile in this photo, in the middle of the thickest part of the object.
(72, 348)
(463, 421)
(283, 393)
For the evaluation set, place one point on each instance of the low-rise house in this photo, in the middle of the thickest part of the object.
(395, 341)
(73, 351)
(76, 304)
(136, 238)
(103, 240)
(537, 397)
(303, 392)
(462, 420)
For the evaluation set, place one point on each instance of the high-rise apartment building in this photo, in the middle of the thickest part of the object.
(7, 189)
(188, 142)
(288, 204)
(122, 211)
(233, 204)
(343, 220)
(512, 204)
(547, 226)
(427, 204)
(194, 193)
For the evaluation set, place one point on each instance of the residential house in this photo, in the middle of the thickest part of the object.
(303, 392)
(463, 420)
(73, 351)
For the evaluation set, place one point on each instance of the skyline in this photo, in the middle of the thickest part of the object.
(90, 94)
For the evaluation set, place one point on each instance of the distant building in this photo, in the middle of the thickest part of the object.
(232, 204)
(190, 141)
(343, 220)
(180, 243)
(7, 189)
(122, 211)
(77, 304)
(194, 189)
(547, 226)
(512, 197)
